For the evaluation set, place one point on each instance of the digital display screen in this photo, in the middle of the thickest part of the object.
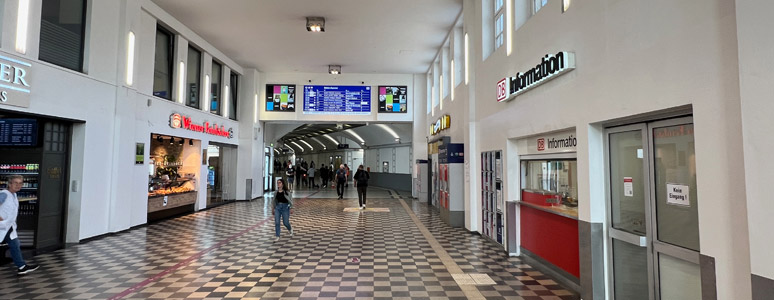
(280, 97)
(18, 132)
(393, 99)
(347, 100)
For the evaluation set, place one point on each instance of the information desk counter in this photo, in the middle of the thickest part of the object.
(551, 232)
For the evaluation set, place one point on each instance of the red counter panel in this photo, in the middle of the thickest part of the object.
(552, 237)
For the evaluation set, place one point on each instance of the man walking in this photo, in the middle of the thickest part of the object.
(361, 183)
(9, 210)
(341, 179)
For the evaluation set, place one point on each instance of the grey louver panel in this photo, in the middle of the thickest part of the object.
(60, 46)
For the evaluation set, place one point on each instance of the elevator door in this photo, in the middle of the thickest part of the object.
(653, 215)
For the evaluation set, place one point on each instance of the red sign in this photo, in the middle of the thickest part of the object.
(541, 144)
(180, 121)
(502, 89)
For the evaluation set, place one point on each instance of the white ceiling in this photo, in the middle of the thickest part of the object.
(363, 36)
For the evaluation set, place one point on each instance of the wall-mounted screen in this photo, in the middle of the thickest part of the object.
(393, 99)
(280, 97)
(18, 132)
(340, 100)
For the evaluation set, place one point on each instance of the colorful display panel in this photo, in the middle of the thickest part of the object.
(281, 97)
(393, 99)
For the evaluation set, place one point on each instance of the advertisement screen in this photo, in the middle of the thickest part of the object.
(281, 97)
(340, 100)
(393, 99)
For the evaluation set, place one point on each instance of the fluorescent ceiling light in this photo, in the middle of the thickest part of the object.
(332, 139)
(181, 83)
(206, 93)
(307, 144)
(467, 60)
(297, 145)
(22, 21)
(319, 142)
(130, 59)
(452, 80)
(509, 28)
(255, 113)
(389, 130)
(225, 102)
(353, 133)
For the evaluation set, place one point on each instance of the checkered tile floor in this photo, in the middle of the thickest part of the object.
(229, 252)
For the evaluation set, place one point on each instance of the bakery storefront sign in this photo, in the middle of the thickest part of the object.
(549, 68)
(441, 124)
(14, 81)
(183, 122)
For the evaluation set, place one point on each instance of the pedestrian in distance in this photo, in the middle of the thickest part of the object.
(290, 173)
(361, 183)
(310, 172)
(341, 179)
(282, 207)
(9, 211)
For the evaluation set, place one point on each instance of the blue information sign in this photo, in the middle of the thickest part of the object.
(338, 100)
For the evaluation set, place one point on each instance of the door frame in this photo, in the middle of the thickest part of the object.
(650, 240)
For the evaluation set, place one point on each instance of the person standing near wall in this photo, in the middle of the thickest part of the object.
(9, 210)
(282, 206)
(341, 179)
(324, 176)
(361, 183)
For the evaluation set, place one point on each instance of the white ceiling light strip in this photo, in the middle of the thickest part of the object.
(389, 130)
(299, 146)
(307, 144)
(319, 142)
(352, 132)
(332, 139)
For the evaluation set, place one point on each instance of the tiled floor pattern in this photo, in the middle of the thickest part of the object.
(228, 252)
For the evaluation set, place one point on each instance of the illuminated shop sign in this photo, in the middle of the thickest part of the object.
(440, 125)
(14, 82)
(551, 67)
(183, 122)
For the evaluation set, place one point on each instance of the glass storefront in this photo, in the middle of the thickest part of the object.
(172, 175)
(552, 183)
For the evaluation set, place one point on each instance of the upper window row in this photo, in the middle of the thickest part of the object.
(62, 30)
(163, 79)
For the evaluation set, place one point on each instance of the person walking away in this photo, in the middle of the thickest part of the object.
(9, 210)
(310, 172)
(324, 176)
(361, 183)
(290, 173)
(282, 206)
(341, 179)
(299, 177)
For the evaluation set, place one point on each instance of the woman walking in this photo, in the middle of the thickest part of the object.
(282, 204)
(361, 183)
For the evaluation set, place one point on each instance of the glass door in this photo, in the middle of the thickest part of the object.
(629, 212)
(653, 216)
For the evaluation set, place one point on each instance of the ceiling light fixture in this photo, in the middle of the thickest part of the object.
(190, 142)
(334, 69)
(315, 24)
(171, 140)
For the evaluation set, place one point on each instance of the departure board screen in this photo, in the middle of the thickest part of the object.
(18, 132)
(339, 100)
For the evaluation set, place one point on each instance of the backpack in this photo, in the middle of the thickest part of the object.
(341, 175)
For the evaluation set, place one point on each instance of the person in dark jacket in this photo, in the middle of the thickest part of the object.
(341, 179)
(361, 183)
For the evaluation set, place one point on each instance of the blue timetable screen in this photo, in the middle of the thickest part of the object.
(344, 100)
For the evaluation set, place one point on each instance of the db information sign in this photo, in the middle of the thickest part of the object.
(502, 90)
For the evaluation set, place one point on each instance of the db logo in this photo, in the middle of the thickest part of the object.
(541, 144)
(175, 121)
(502, 89)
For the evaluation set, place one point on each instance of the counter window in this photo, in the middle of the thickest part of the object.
(550, 183)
